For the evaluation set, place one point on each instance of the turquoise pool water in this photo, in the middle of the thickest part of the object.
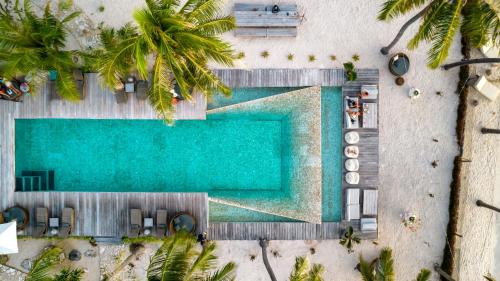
(235, 157)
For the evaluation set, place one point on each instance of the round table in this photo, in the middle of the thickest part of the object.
(183, 222)
(17, 213)
(399, 64)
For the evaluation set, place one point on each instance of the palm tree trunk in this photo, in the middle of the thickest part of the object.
(480, 203)
(472, 61)
(385, 50)
(443, 274)
(490, 131)
(263, 244)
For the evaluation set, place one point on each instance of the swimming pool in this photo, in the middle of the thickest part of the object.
(233, 157)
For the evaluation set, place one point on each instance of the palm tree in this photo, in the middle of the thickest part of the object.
(382, 268)
(178, 259)
(441, 19)
(302, 271)
(32, 44)
(44, 265)
(349, 240)
(178, 41)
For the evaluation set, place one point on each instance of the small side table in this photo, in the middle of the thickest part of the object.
(148, 226)
(53, 226)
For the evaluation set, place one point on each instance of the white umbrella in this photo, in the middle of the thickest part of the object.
(8, 238)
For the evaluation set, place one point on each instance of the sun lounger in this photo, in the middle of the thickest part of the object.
(370, 115)
(135, 223)
(142, 90)
(352, 204)
(490, 51)
(161, 223)
(41, 222)
(80, 82)
(120, 95)
(351, 122)
(486, 88)
(368, 224)
(370, 198)
(67, 222)
(371, 90)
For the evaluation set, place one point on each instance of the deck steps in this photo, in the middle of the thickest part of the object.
(35, 181)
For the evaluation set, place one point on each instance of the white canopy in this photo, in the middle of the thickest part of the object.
(8, 238)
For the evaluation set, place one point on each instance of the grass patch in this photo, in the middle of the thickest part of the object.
(141, 239)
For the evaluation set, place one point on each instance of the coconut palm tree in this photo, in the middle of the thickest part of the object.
(302, 271)
(382, 268)
(177, 42)
(441, 20)
(33, 45)
(349, 240)
(179, 259)
(44, 265)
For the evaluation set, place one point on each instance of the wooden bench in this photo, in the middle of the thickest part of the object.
(257, 20)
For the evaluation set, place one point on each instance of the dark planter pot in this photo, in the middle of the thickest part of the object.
(399, 64)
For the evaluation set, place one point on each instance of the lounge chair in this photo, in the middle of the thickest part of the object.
(486, 88)
(51, 86)
(67, 222)
(352, 204)
(351, 121)
(161, 223)
(368, 224)
(135, 223)
(142, 90)
(490, 51)
(370, 198)
(80, 82)
(120, 95)
(41, 222)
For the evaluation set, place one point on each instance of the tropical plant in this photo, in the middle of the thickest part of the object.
(44, 265)
(311, 58)
(489, 277)
(179, 259)
(290, 57)
(264, 54)
(302, 271)
(333, 57)
(382, 268)
(350, 71)
(349, 240)
(441, 19)
(179, 41)
(355, 57)
(32, 45)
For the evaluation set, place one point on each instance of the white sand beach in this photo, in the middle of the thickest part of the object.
(408, 181)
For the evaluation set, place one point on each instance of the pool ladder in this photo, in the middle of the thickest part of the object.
(35, 181)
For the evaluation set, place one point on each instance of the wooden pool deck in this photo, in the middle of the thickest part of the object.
(106, 214)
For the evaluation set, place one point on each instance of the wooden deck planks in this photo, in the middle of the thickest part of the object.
(106, 214)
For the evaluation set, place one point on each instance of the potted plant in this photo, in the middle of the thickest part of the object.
(350, 72)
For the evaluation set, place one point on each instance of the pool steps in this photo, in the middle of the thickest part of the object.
(35, 181)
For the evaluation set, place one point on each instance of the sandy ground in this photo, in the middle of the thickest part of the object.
(407, 129)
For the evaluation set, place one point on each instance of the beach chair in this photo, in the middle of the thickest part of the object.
(142, 90)
(51, 86)
(368, 224)
(135, 223)
(351, 122)
(120, 95)
(486, 88)
(161, 223)
(41, 222)
(370, 198)
(80, 82)
(490, 51)
(67, 222)
(352, 210)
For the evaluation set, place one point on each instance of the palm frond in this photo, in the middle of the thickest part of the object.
(481, 23)
(205, 260)
(160, 96)
(424, 275)
(226, 273)
(216, 26)
(446, 29)
(427, 28)
(385, 266)
(204, 10)
(316, 273)
(42, 265)
(69, 275)
(299, 272)
(66, 85)
(394, 8)
(366, 269)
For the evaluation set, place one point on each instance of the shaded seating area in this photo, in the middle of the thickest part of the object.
(182, 222)
(18, 214)
(14, 89)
